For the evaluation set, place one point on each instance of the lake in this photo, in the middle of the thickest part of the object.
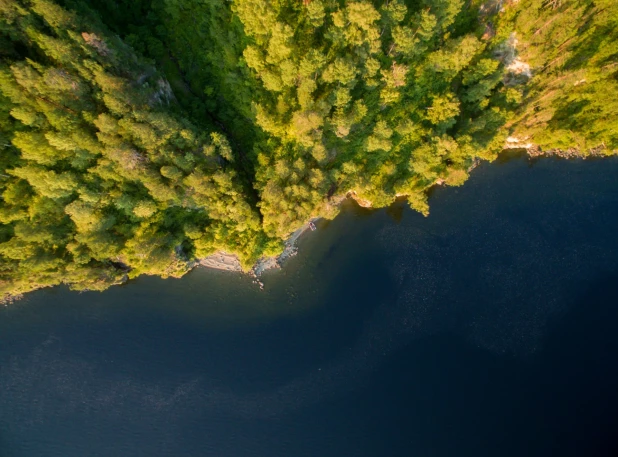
(489, 328)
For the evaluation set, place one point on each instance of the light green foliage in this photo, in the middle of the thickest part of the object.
(94, 162)
(572, 49)
(315, 13)
(443, 110)
(180, 128)
(387, 65)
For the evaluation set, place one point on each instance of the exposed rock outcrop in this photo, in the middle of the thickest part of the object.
(361, 201)
(222, 261)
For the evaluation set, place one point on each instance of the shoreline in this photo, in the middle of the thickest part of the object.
(534, 151)
(225, 261)
(229, 262)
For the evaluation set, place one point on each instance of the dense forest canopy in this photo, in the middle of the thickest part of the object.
(137, 136)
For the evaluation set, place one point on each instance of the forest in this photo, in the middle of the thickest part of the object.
(139, 136)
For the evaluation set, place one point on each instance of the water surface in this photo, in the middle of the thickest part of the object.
(489, 329)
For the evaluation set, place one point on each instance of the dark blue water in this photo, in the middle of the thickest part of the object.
(488, 329)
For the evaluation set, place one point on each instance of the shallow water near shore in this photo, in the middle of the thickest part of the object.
(489, 328)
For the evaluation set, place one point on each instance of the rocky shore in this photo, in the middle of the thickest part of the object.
(535, 151)
(229, 262)
(221, 261)
(290, 249)
(571, 153)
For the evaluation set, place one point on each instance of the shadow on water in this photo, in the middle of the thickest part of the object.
(508, 155)
(397, 209)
